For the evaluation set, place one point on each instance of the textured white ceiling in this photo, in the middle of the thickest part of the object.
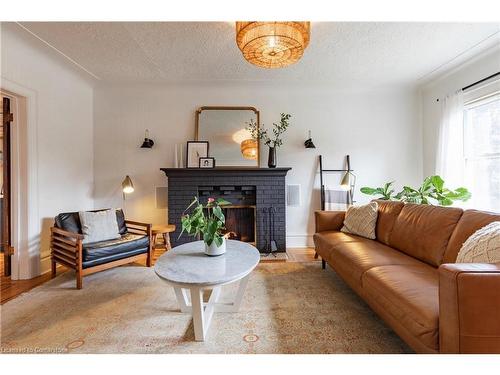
(343, 53)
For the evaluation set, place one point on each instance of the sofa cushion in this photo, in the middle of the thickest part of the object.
(361, 220)
(70, 221)
(358, 254)
(483, 246)
(410, 294)
(113, 257)
(469, 223)
(125, 243)
(324, 242)
(120, 218)
(99, 226)
(423, 231)
(388, 211)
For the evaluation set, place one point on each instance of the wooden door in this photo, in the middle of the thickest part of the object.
(5, 244)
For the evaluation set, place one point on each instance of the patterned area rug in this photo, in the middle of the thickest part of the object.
(288, 308)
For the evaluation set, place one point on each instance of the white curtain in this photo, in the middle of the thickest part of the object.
(450, 164)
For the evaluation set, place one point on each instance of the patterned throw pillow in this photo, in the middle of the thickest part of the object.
(361, 220)
(483, 246)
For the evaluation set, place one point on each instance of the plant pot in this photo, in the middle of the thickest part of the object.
(271, 161)
(213, 250)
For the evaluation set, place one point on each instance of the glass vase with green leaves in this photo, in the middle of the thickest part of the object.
(207, 221)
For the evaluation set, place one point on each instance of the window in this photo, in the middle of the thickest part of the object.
(482, 152)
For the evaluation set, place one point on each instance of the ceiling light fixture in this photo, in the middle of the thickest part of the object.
(249, 149)
(272, 44)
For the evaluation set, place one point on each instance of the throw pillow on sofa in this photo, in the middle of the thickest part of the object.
(99, 226)
(361, 220)
(483, 246)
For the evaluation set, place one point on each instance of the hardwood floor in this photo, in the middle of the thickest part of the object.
(12, 288)
(301, 255)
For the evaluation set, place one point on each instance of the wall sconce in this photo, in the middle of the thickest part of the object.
(127, 186)
(148, 142)
(309, 142)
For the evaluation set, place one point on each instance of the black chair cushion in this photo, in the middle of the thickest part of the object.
(70, 221)
(120, 218)
(113, 257)
(128, 242)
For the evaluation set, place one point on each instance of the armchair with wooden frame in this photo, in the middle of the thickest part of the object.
(68, 249)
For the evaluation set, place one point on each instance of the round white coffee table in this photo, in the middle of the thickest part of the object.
(186, 267)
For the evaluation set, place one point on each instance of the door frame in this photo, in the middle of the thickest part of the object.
(6, 185)
(25, 221)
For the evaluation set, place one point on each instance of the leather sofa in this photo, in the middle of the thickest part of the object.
(67, 249)
(409, 278)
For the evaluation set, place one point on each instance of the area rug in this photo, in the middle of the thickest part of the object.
(287, 308)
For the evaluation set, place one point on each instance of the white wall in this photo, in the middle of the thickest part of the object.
(380, 129)
(62, 104)
(477, 68)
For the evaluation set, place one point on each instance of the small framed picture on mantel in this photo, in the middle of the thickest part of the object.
(207, 163)
(196, 150)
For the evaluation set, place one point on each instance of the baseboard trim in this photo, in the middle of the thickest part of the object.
(299, 240)
(44, 265)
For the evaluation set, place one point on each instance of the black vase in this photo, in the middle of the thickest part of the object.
(271, 161)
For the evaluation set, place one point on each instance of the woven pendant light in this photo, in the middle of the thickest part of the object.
(272, 44)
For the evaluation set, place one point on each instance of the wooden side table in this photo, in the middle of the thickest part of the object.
(165, 231)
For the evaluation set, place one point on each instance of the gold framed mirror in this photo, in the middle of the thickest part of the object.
(225, 129)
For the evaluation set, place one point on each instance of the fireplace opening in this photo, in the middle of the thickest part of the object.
(240, 223)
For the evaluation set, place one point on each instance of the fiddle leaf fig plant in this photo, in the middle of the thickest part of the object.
(385, 192)
(431, 191)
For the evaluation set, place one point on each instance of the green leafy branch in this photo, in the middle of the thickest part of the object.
(260, 133)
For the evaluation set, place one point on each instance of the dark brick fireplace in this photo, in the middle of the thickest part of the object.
(257, 214)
